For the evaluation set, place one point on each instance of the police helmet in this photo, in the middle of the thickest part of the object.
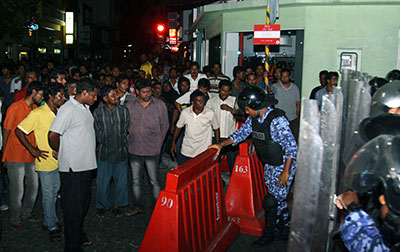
(378, 125)
(376, 83)
(378, 161)
(387, 97)
(255, 98)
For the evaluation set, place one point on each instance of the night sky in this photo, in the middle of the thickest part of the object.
(139, 18)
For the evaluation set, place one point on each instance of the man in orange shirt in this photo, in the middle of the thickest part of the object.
(18, 160)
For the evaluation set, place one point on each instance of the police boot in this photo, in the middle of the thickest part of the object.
(283, 229)
(271, 208)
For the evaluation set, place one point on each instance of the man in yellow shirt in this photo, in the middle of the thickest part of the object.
(39, 122)
(146, 66)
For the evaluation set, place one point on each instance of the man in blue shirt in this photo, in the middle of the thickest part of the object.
(277, 150)
(332, 79)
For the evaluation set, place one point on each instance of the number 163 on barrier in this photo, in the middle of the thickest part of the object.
(241, 169)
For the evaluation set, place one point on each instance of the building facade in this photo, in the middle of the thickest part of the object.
(316, 35)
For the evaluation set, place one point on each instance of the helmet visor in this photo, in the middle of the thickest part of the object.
(376, 161)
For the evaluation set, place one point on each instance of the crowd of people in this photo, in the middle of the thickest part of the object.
(62, 123)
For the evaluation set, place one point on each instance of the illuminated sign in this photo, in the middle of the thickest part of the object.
(172, 37)
(57, 51)
(42, 50)
(69, 22)
(69, 39)
(33, 27)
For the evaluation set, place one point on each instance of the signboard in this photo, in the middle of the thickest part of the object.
(173, 37)
(267, 34)
(69, 22)
(33, 27)
(69, 39)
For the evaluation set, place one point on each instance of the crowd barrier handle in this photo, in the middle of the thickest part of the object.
(190, 213)
(246, 191)
(224, 159)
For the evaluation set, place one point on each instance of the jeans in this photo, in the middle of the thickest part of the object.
(181, 159)
(75, 199)
(118, 172)
(22, 201)
(2, 195)
(137, 165)
(50, 183)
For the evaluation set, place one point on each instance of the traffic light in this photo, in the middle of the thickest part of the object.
(160, 32)
(160, 28)
(173, 22)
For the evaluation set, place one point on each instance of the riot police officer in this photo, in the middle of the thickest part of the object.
(277, 149)
(376, 166)
(384, 119)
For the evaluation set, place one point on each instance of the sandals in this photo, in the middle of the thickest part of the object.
(18, 227)
(87, 243)
(133, 212)
(100, 213)
(117, 212)
(55, 235)
(30, 218)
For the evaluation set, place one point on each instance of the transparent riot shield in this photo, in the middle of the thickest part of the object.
(352, 106)
(364, 106)
(307, 182)
(335, 174)
(328, 130)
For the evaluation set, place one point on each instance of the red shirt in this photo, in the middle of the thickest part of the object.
(21, 94)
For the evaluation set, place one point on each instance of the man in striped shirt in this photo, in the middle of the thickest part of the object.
(111, 124)
(224, 106)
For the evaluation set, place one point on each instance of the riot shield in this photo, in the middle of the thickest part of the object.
(328, 173)
(354, 90)
(335, 174)
(358, 106)
(364, 106)
(307, 182)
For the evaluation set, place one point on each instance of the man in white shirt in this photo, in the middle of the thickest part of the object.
(16, 83)
(122, 84)
(185, 101)
(194, 76)
(224, 106)
(73, 137)
(199, 122)
(174, 79)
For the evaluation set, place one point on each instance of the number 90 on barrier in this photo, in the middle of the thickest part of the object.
(241, 169)
(167, 202)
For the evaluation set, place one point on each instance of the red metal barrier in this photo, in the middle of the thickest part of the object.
(224, 164)
(190, 213)
(246, 191)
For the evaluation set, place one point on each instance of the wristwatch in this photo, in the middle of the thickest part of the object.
(354, 206)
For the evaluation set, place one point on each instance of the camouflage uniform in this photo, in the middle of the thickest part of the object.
(359, 233)
(280, 133)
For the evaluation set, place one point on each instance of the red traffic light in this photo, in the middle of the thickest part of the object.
(160, 28)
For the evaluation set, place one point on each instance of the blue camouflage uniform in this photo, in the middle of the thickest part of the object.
(359, 233)
(280, 133)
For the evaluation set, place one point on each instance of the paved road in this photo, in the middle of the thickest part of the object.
(109, 234)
